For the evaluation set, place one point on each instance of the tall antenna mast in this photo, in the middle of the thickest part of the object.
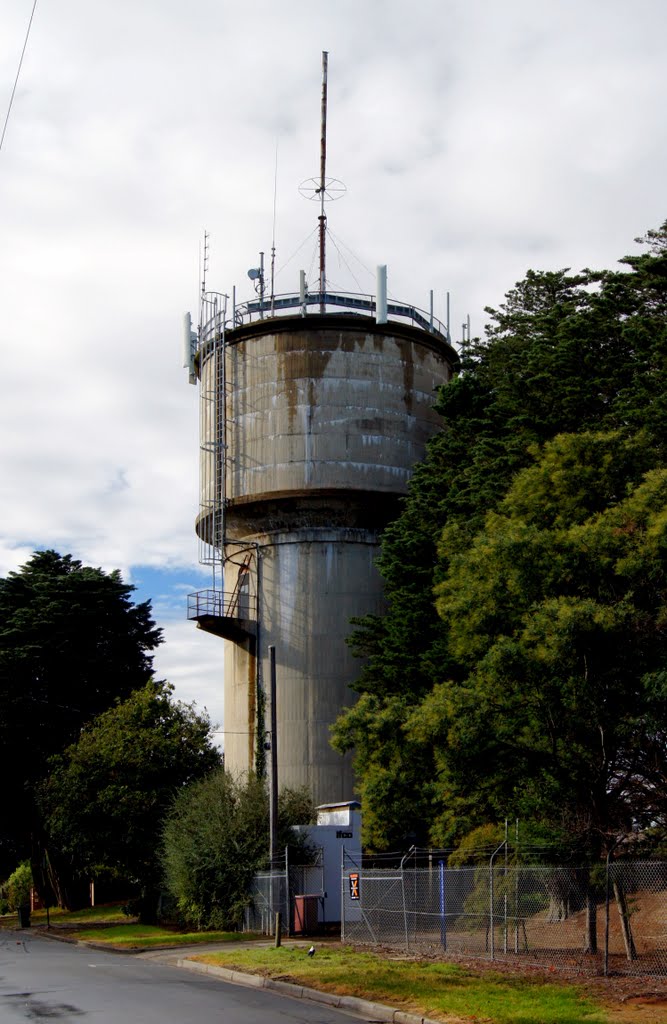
(204, 263)
(273, 236)
(323, 172)
(323, 189)
(203, 267)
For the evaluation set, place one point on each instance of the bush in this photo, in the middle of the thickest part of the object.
(216, 838)
(19, 884)
(214, 841)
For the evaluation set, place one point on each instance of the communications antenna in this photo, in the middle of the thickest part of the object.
(204, 263)
(273, 234)
(323, 189)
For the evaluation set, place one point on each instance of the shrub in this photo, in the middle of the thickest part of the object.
(216, 838)
(18, 886)
(214, 841)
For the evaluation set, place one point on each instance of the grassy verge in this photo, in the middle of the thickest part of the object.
(109, 913)
(431, 989)
(143, 936)
(109, 926)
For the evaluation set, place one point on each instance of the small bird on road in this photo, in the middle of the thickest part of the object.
(311, 951)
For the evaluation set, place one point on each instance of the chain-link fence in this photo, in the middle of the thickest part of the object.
(268, 897)
(282, 891)
(603, 918)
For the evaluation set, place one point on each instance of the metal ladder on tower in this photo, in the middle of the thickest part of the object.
(242, 579)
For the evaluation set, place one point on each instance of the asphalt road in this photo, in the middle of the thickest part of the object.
(44, 980)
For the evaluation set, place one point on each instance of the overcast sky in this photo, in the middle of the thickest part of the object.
(477, 139)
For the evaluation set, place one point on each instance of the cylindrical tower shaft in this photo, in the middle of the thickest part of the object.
(326, 416)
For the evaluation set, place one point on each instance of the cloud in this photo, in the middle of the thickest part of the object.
(476, 141)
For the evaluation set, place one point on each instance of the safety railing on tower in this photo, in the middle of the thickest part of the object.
(312, 304)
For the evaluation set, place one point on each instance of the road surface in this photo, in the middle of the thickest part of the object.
(42, 979)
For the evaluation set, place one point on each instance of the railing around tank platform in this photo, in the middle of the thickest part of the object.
(241, 314)
(216, 604)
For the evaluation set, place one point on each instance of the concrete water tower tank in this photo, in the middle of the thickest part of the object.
(315, 407)
(310, 427)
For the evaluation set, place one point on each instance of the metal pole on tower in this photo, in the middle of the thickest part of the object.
(273, 780)
(323, 166)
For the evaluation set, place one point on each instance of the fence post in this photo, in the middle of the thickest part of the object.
(405, 912)
(288, 890)
(516, 886)
(491, 897)
(443, 906)
(505, 893)
(606, 918)
(342, 892)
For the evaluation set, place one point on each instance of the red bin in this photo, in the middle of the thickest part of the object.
(305, 914)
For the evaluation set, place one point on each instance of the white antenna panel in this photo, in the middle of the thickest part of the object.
(189, 346)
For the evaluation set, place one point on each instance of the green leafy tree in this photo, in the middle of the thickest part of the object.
(563, 353)
(216, 838)
(106, 796)
(556, 613)
(71, 643)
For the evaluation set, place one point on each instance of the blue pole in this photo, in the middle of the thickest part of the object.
(443, 906)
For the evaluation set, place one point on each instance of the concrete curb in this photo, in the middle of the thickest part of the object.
(373, 1011)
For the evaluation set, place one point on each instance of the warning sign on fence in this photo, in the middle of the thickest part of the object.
(354, 885)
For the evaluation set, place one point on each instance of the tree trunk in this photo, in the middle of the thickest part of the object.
(559, 909)
(561, 887)
(624, 915)
(149, 902)
(56, 883)
(591, 923)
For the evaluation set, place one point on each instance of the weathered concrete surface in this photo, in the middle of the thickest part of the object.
(324, 419)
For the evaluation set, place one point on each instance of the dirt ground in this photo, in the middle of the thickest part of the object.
(643, 1000)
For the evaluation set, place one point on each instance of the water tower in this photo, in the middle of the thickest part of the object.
(315, 407)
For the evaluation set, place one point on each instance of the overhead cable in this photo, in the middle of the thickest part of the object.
(16, 80)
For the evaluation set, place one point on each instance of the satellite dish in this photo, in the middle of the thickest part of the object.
(254, 273)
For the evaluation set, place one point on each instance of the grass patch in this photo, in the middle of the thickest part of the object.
(143, 936)
(111, 927)
(423, 987)
(109, 913)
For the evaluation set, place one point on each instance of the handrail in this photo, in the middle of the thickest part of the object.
(214, 603)
(257, 309)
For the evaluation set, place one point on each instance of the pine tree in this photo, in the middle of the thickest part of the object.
(565, 353)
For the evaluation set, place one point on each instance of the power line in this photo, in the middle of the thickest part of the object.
(16, 80)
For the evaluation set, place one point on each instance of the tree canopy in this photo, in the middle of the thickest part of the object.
(216, 837)
(565, 354)
(556, 613)
(105, 797)
(71, 643)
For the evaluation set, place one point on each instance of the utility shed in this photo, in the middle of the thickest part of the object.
(338, 828)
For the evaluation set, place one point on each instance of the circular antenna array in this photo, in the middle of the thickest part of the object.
(311, 188)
